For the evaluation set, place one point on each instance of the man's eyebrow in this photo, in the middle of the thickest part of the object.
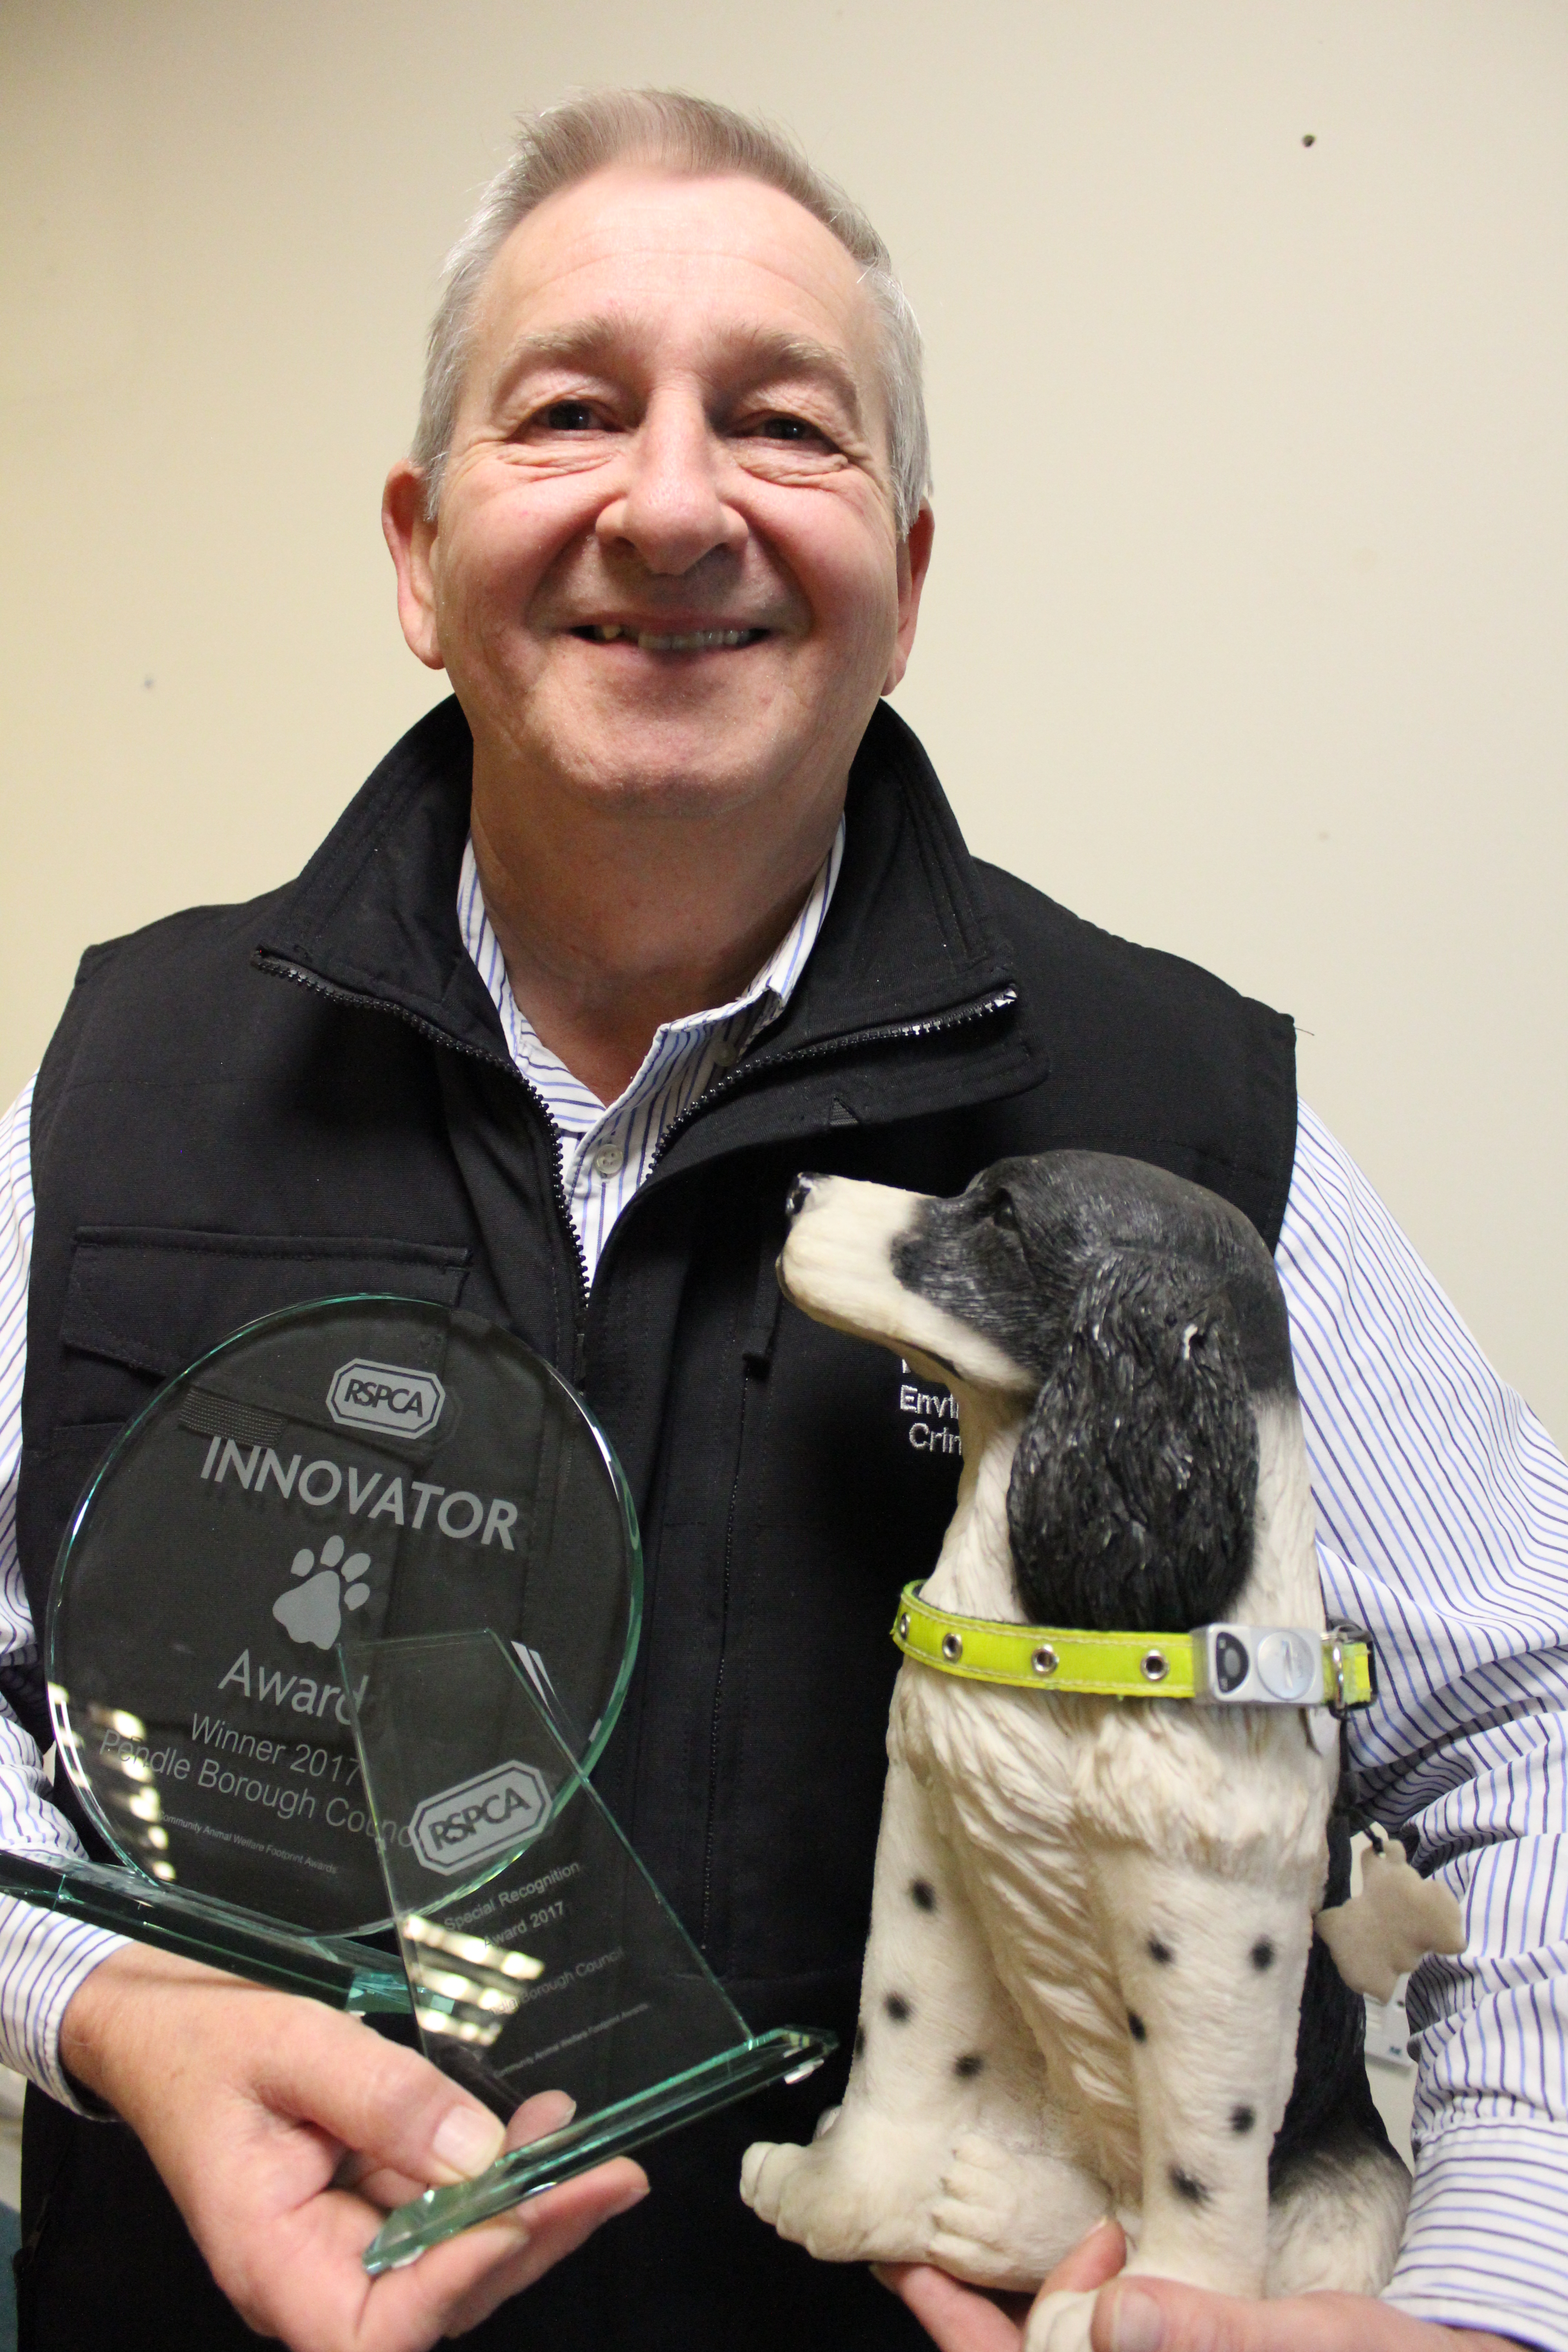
(773, 353)
(763, 350)
(583, 340)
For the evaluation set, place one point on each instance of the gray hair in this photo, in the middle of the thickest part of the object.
(693, 136)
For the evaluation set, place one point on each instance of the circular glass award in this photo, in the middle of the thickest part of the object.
(358, 1469)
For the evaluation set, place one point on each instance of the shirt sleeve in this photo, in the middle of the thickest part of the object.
(1443, 1528)
(43, 1959)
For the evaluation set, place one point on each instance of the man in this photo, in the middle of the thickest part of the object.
(662, 909)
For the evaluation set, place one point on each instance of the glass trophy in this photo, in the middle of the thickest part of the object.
(540, 1954)
(385, 1464)
(337, 1633)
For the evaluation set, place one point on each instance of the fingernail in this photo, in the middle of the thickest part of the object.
(467, 2140)
(632, 2197)
(1137, 2322)
(550, 2111)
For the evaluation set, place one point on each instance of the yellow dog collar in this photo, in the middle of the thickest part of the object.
(1223, 1665)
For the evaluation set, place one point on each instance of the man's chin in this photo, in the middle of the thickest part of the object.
(678, 764)
(677, 788)
(760, 753)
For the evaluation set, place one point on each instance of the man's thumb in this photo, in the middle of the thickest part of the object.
(1158, 2316)
(388, 2105)
(467, 2140)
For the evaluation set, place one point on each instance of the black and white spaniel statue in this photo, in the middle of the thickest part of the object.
(1092, 1919)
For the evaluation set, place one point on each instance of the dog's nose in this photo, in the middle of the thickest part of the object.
(799, 1192)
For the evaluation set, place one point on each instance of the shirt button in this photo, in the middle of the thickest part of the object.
(609, 1160)
(725, 1056)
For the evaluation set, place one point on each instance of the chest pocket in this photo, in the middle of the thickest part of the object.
(142, 1303)
(146, 1301)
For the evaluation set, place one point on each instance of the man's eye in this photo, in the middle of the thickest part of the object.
(568, 416)
(787, 428)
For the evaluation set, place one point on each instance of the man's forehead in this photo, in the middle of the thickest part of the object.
(620, 249)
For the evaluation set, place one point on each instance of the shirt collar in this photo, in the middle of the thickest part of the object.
(757, 1008)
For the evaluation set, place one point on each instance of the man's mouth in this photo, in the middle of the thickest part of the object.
(669, 641)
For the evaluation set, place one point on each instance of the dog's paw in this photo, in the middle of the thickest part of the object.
(861, 2194)
(1006, 2215)
(1060, 2322)
(765, 2167)
(980, 2223)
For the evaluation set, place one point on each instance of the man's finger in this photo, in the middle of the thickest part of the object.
(320, 2299)
(556, 2223)
(546, 2112)
(456, 2285)
(956, 2318)
(1157, 2316)
(384, 2185)
(960, 2319)
(1092, 2261)
(395, 2109)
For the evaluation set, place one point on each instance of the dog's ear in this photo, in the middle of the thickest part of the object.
(1132, 1498)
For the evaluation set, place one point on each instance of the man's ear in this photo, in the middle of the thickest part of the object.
(411, 539)
(914, 560)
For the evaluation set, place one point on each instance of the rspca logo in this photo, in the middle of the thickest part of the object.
(387, 1398)
(489, 1815)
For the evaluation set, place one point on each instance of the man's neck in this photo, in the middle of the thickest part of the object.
(612, 928)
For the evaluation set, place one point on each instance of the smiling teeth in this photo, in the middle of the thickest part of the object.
(691, 641)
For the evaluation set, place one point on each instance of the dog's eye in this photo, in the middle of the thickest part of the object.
(1003, 1214)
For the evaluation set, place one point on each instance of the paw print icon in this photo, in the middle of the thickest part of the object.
(313, 1611)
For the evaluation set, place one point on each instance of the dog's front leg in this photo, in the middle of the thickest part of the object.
(936, 2149)
(1210, 1970)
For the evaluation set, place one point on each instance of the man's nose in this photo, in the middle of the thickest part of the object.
(673, 510)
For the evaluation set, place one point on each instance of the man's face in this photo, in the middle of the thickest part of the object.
(666, 567)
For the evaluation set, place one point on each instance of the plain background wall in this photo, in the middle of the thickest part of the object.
(1246, 633)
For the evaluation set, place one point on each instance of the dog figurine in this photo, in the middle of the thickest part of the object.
(1093, 1918)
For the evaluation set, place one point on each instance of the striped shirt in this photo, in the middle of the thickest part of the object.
(1443, 1524)
(604, 1150)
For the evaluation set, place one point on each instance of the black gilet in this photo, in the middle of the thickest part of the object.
(247, 1107)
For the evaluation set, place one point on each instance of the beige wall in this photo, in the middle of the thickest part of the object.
(1246, 635)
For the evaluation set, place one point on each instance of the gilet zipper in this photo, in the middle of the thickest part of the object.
(892, 1032)
(280, 971)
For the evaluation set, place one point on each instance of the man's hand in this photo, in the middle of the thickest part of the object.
(958, 2319)
(284, 2130)
(1149, 2314)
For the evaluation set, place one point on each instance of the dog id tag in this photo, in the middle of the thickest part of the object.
(1397, 1919)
